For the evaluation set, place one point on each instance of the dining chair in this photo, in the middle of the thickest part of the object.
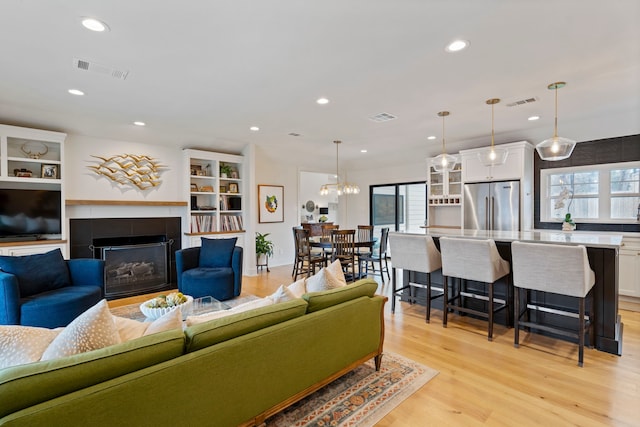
(566, 272)
(343, 249)
(306, 261)
(377, 255)
(365, 234)
(327, 229)
(295, 251)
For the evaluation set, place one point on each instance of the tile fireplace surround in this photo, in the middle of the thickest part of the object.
(83, 234)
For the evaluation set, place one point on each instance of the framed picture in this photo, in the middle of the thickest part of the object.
(194, 187)
(233, 187)
(270, 203)
(223, 188)
(196, 170)
(49, 171)
(234, 174)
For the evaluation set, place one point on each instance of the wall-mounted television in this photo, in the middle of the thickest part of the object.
(29, 213)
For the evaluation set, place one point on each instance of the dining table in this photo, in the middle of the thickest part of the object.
(325, 243)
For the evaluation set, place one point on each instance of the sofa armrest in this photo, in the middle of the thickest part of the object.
(9, 299)
(236, 265)
(186, 259)
(86, 272)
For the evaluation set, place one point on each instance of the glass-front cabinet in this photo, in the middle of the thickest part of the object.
(445, 188)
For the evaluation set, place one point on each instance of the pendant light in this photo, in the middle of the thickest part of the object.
(556, 148)
(340, 188)
(443, 162)
(493, 156)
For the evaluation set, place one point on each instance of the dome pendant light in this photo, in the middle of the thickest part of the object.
(556, 148)
(493, 156)
(340, 188)
(443, 162)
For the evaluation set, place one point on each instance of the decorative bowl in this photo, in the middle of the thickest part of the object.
(155, 312)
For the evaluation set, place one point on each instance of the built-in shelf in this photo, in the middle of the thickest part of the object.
(71, 202)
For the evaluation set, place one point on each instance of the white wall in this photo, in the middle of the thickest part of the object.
(310, 183)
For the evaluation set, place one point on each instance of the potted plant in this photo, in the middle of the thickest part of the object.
(264, 249)
(225, 170)
(567, 223)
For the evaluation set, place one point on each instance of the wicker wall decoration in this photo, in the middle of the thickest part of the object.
(139, 171)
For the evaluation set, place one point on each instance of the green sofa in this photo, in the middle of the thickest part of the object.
(235, 370)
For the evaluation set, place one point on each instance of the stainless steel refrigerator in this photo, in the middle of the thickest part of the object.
(492, 206)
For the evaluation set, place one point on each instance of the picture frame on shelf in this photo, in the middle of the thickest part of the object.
(196, 170)
(270, 203)
(194, 187)
(49, 171)
(234, 174)
(223, 189)
(233, 187)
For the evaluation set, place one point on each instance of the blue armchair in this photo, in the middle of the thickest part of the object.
(46, 290)
(213, 269)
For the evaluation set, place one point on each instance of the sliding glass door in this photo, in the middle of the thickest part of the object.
(401, 207)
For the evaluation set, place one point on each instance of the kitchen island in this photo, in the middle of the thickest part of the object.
(602, 250)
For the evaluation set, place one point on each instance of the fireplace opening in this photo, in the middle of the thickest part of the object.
(134, 265)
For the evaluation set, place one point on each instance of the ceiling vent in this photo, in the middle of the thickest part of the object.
(293, 134)
(82, 64)
(522, 102)
(382, 117)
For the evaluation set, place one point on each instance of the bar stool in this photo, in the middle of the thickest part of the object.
(477, 260)
(558, 269)
(414, 253)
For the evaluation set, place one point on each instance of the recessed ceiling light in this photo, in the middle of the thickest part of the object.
(76, 92)
(431, 137)
(457, 46)
(254, 128)
(532, 118)
(322, 101)
(363, 151)
(139, 123)
(94, 25)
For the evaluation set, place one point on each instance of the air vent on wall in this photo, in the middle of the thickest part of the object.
(82, 64)
(382, 117)
(522, 102)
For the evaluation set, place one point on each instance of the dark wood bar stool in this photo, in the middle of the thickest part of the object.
(557, 269)
(477, 260)
(414, 252)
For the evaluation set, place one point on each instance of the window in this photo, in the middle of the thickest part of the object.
(596, 193)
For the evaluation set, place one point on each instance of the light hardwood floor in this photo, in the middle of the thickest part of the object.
(485, 383)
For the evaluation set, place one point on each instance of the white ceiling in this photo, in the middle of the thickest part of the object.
(201, 72)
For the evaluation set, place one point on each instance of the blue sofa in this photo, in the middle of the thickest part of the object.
(214, 269)
(46, 290)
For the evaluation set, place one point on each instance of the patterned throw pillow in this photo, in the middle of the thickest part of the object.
(92, 330)
(23, 344)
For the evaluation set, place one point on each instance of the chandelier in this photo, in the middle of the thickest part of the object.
(493, 156)
(556, 148)
(339, 188)
(443, 162)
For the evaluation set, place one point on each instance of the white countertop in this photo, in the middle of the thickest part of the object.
(605, 239)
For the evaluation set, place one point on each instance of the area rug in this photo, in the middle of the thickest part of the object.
(132, 311)
(360, 398)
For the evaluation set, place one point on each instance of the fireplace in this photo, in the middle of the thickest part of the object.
(133, 265)
(139, 253)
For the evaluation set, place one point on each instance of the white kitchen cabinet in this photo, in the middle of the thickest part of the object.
(514, 168)
(445, 188)
(629, 267)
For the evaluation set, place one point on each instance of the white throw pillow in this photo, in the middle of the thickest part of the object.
(335, 268)
(167, 322)
(298, 288)
(282, 294)
(130, 329)
(24, 344)
(263, 302)
(324, 280)
(92, 330)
